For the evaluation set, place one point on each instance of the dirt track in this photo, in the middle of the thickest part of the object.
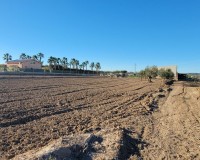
(175, 130)
(34, 112)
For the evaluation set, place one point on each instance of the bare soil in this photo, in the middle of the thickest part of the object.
(132, 119)
(174, 132)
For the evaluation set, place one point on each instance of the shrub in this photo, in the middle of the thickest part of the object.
(13, 69)
(166, 74)
(151, 71)
(3, 68)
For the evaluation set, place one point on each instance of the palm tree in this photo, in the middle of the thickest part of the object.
(98, 66)
(7, 57)
(34, 57)
(92, 66)
(40, 56)
(86, 64)
(83, 65)
(28, 57)
(23, 56)
(70, 65)
(50, 60)
(59, 61)
(55, 62)
(77, 63)
(73, 62)
(64, 62)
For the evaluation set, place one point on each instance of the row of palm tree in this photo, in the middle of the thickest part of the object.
(56, 62)
(7, 57)
(72, 64)
(38, 57)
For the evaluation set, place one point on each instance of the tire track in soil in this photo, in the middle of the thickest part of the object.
(82, 97)
(101, 105)
(36, 117)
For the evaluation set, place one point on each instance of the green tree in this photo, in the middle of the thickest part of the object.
(50, 61)
(142, 74)
(98, 66)
(23, 56)
(86, 64)
(7, 57)
(151, 72)
(77, 63)
(55, 62)
(3, 68)
(73, 62)
(59, 61)
(40, 56)
(92, 66)
(64, 63)
(34, 57)
(28, 57)
(166, 74)
(83, 65)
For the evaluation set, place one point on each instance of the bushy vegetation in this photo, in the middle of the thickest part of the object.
(152, 72)
(4, 68)
(166, 74)
(149, 72)
(12, 69)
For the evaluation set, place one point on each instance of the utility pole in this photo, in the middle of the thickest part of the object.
(135, 68)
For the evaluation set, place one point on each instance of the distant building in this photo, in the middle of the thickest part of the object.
(25, 64)
(173, 69)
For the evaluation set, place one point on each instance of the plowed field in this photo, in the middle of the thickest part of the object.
(129, 118)
(34, 111)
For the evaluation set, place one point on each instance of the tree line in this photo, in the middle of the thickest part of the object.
(55, 63)
(153, 71)
(7, 57)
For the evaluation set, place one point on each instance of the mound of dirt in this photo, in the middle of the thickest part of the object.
(105, 144)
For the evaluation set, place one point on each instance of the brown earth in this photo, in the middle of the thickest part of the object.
(134, 119)
(174, 132)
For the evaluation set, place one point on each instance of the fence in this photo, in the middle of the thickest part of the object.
(46, 74)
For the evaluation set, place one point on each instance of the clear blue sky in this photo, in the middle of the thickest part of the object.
(116, 33)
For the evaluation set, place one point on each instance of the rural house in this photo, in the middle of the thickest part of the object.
(25, 64)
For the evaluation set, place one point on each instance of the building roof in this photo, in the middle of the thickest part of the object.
(21, 60)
